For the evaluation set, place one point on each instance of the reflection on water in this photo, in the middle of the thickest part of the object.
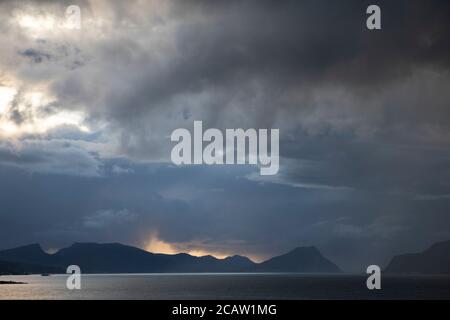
(225, 286)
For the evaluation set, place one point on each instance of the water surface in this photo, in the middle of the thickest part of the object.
(225, 286)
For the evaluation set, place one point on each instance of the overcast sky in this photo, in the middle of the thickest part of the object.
(364, 118)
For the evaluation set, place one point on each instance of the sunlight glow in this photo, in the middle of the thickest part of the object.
(6, 97)
(35, 119)
(38, 25)
(156, 245)
(36, 22)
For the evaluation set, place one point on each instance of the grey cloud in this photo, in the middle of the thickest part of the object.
(108, 218)
(220, 68)
(35, 55)
(116, 169)
(54, 157)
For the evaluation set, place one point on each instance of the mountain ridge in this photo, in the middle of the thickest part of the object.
(120, 258)
(311, 261)
(433, 260)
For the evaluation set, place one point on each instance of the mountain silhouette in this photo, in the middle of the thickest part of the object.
(32, 253)
(434, 260)
(11, 268)
(15, 268)
(303, 259)
(119, 258)
(27, 259)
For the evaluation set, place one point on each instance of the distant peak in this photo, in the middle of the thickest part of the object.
(33, 246)
(439, 246)
(208, 257)
(237, 257)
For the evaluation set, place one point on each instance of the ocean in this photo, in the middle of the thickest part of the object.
(225, 286)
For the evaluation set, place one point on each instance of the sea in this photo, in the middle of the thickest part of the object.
(222, 286)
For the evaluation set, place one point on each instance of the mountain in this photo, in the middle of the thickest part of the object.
(32, 253)
(9, 268)
(434, 260)
(304, 259)
(119, 258)
(27, 259)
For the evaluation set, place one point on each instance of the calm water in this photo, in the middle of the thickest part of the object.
(226, 286)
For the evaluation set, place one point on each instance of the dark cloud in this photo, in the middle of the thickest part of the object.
(268, 63)
(35, 55)
(54, 157)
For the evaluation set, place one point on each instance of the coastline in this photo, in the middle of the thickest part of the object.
(11, 282)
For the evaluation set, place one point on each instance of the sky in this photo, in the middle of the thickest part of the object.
(364, 117)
